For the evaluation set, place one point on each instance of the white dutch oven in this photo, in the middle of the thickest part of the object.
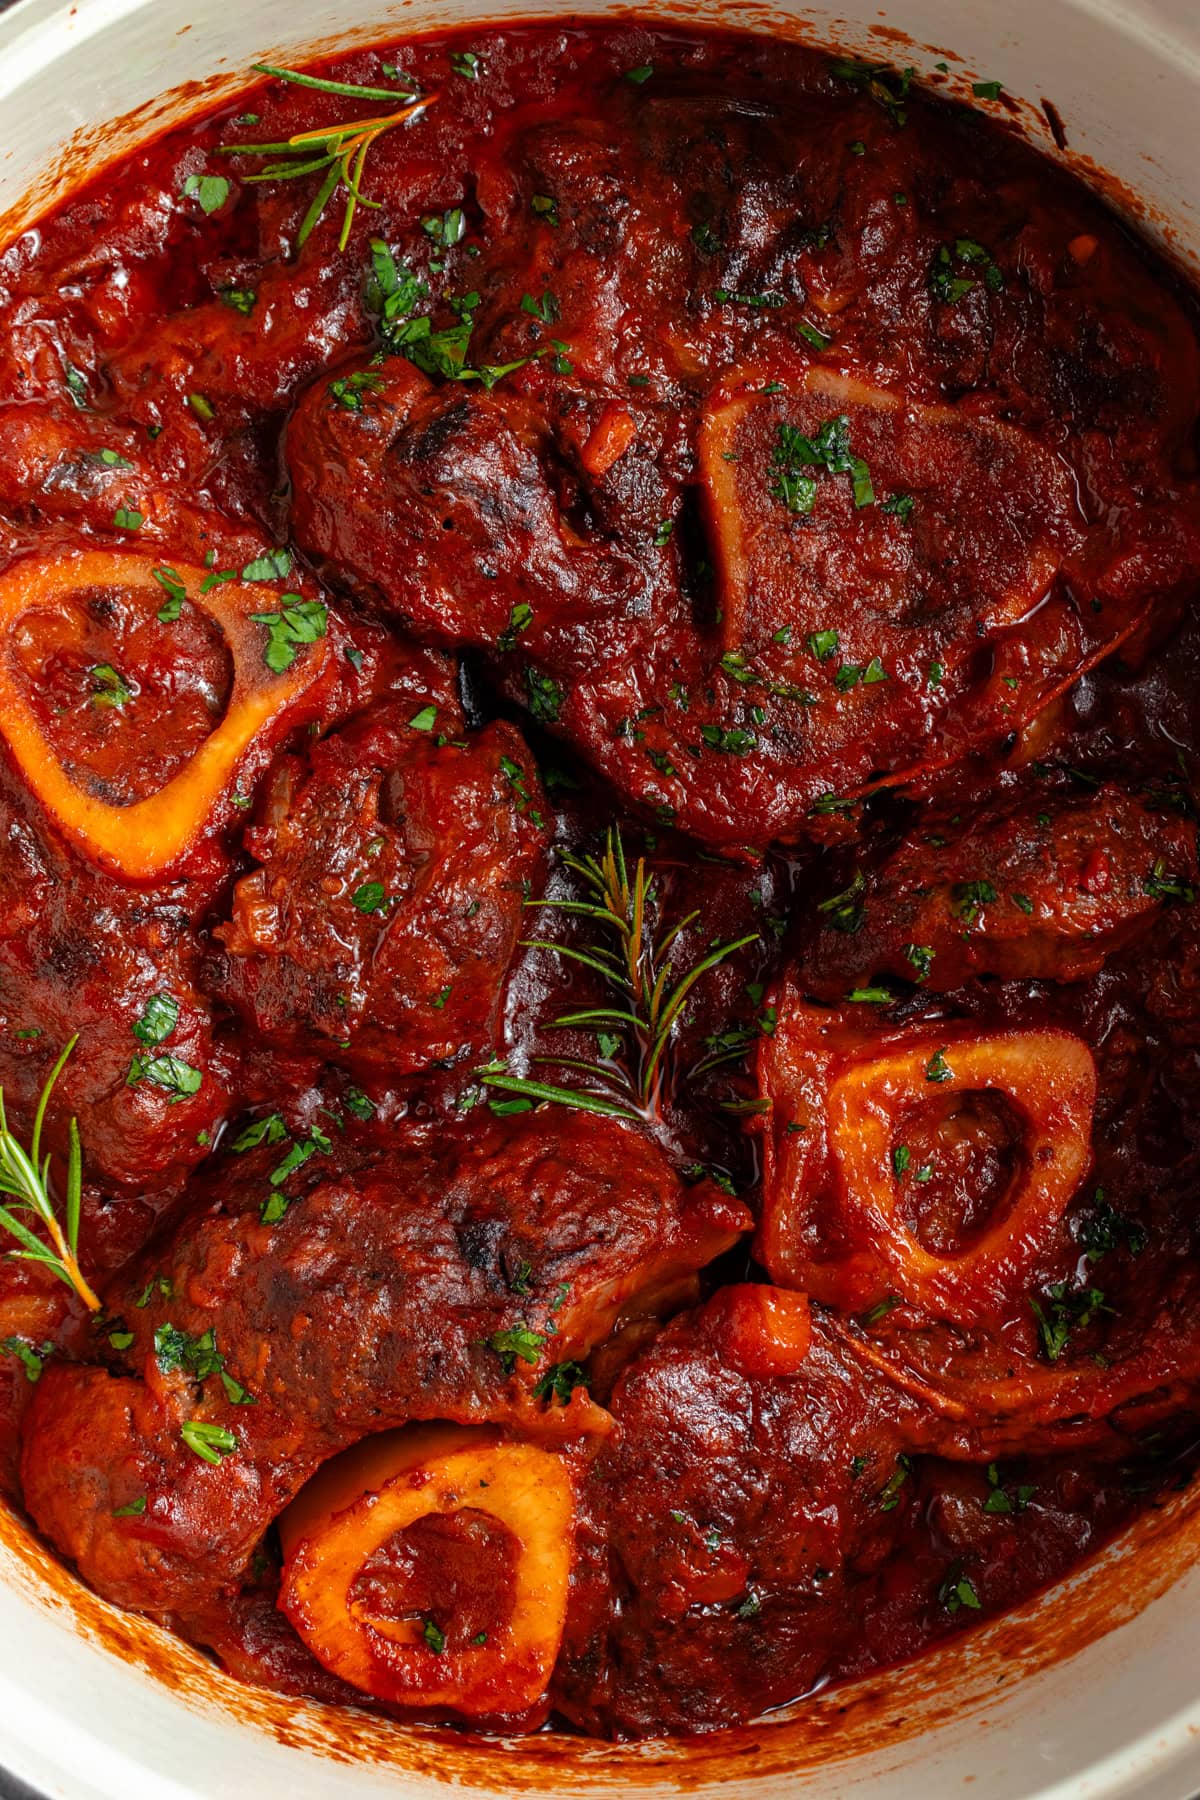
(1089, 1694)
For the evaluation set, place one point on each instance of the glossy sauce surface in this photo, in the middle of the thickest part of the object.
(704, 452)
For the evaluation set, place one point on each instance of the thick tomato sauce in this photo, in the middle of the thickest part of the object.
(699, 479)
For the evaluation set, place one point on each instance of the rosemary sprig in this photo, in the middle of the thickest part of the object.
(340, 150)
(639, 968)
(25, 1178)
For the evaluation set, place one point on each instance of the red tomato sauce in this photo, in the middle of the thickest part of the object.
(597, 756)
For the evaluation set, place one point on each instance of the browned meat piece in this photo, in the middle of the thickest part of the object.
(82, 953)
(435, 498)
(1042, 887)
(389, 901)
(754, 1481)
(434, 1282)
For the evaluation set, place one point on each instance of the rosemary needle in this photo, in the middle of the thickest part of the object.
(25, 1179)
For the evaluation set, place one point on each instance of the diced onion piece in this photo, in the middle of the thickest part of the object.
(143, 840)
(385, 1485)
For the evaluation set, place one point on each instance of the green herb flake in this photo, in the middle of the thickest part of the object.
(560, 1381)
(108, 687)
(158, 1019)
(175, 1077)
(296, 623)
(545, 696)
(958, 1591)
(273, 565)
(239, 300)
(211, 191)
(921, 958)
(172, 585)
(889, 1494)
(1060, 1312)
(208, 1441)
(269, 1130)
(818, 340)
(30, 1359)
(518, 1341)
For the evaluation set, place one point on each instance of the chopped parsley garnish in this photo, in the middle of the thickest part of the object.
(828, 450)
(518, 619)
(888, 86)
(241, 300)
(466, 63)
(1162, 886)
(371, 897)
(999, 1500)
(819, 340)
(194, 1356)
(987, 90)
(969, 898)
(1107, 1230)
(545, 309)
(518, 1341)
(545, 695)
(434, 1636)
(1061, 1311)
(211, 191)
(823, 644)
(133, 1509)
(937, 1068)
(900, 506)
(732, 740)
(846, 911)
(958, 1591)
(447, 229)
(208, 1441)
(273, 565)
(642, 73)
(159, 1017)
(174, 1076)
(951, 273)
(545, 208)
(108, 687)
(560, 1381)
(921, 958)
(297, 623)
(425, 720)
(348, 390)
(31, 1360)
(889, 1494)
(271, 1130)
(128, 518)
(176, 593)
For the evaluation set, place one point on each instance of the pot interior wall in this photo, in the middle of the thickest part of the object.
(1039, 1703)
